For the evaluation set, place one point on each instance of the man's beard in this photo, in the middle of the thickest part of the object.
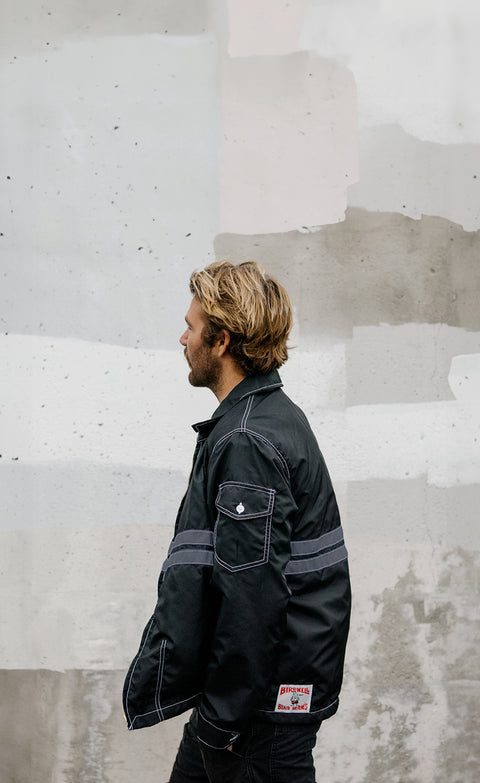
(204, 369)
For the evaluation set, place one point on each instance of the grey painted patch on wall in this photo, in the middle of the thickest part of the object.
(79, 495)
(89, 18)
(454, 642)
(420, 639)
(413, 512)
(377, 357)
(68, 727)
(372, 268)
(459, 752)
(395, 687)
(401, 173)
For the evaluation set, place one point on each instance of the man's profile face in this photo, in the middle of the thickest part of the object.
(204, 366)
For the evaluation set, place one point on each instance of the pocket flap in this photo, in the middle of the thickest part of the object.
(244, 501)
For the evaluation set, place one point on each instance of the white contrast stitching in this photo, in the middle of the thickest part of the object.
(222, 747)
(134, 665)
(312, 564)
(314, 545)
(189, 557)
(267, 491)
(313, 712)
(277, 385)
(167, 708)
(260, 561)
(243, 484)
(248, 408)
(161, 663)
(192, 537)
(260, 437)
(225, 731)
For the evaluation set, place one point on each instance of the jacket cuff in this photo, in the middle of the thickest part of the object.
(211, 735)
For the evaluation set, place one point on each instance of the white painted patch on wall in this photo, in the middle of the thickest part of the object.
(111, 148)
(415, 64)
(316, 379)
(289, 147)
(439, 440)
(75, 400)
(464, 379)
(264, 27)
(436, 440)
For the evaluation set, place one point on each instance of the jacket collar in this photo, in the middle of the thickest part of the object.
(254, 384)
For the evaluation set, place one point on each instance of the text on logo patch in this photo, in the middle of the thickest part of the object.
(294, 698)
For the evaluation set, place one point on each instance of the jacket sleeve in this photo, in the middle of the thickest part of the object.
(252, 510)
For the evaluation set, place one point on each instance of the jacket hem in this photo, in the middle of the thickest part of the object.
(156, 716)
(308, 717)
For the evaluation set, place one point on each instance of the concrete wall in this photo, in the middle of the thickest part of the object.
(338, 142)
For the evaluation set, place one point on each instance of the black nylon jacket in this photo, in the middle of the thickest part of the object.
(253, 602)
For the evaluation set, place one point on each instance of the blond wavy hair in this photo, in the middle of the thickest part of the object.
(252, 306)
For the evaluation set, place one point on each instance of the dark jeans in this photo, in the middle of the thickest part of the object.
(264, 753)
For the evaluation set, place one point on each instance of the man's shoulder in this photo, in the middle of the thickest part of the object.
(270, 415)
(282, 408)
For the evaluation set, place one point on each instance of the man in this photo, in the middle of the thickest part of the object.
(253, 605)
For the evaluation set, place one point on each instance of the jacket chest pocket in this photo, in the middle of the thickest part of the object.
(243, 525)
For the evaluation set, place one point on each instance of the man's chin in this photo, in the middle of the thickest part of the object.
(194, 381)
(201, 381)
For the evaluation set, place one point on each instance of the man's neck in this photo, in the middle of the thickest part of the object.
(230, 377)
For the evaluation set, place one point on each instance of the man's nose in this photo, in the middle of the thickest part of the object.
(183, 338)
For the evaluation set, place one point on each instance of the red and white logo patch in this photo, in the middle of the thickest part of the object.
(294, 698)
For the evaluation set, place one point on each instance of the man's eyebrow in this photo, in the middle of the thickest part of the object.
(187, 321)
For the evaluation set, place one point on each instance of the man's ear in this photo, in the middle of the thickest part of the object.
(222, 342)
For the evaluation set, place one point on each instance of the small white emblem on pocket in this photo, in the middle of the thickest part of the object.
(240, 508)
